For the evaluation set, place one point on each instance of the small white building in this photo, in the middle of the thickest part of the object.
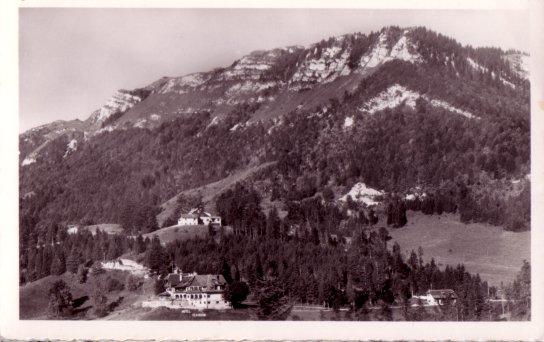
(194, 291)
(72, 229)
(188, 220)
(196, 217)
(438, 297)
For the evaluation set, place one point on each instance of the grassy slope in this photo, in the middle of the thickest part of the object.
(34, 297)
(172, 233)
(209, 191)
(110, 228)
(495, 254)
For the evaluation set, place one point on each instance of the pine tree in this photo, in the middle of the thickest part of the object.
(82, 272)
(73, 261)
(259, 273)
(155, 257)
(273, 224)
(99, 299)
(58, 266)
(139, 245)
(226, 271)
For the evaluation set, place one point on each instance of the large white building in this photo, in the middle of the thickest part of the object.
(196, 217)
(194, 291)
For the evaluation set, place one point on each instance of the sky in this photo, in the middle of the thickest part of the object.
(72, 60)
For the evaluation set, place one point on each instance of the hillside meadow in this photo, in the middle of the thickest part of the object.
(494, 253)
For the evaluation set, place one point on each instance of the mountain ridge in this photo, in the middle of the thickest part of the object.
(249, 83)
(319, 112)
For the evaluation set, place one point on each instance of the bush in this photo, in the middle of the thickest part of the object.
(236, 293)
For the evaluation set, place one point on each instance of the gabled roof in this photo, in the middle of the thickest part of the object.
(201, 213)
(193, 216)
(443, 294)
(207, 281)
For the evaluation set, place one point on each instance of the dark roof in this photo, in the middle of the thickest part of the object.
(189, 216)
(207, 281)
(443, 294)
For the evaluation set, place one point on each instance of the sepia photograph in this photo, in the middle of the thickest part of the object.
(274, 164)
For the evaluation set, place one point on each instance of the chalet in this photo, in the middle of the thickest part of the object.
(438, 297)
(196, 291)
(196, 217)
(188, 220)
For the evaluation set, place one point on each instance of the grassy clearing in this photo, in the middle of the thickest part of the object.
(495, 254)
(34, 296)
(172, 233)
(110, 228)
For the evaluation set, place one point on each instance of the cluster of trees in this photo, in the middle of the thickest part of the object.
(240, 208)
(482, 199)
(138, 218)
(101, 288)
(53, 252)
(519, 291)
(396, 212)
(369, 274)
(278, 267)
(360, 44)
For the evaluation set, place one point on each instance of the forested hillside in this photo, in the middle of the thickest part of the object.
(401, 110)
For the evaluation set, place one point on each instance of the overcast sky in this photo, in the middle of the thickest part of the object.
(72, 60)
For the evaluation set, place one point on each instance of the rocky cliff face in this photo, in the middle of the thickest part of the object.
(121, 101)
(276, 82)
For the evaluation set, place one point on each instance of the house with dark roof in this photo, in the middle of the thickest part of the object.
(196, 291)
